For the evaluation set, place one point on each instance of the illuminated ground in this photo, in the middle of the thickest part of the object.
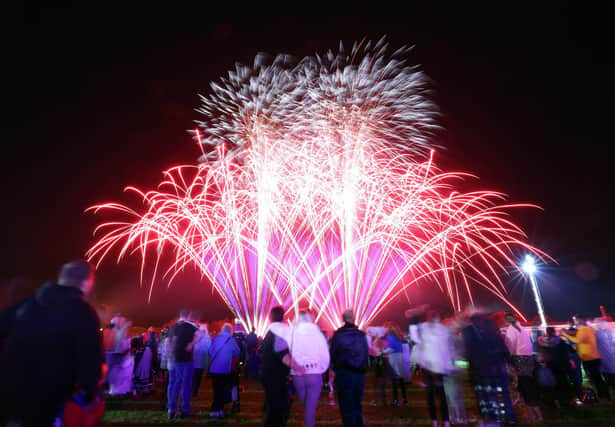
(141, 411)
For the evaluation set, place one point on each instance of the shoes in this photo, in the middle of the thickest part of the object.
(235, 407)
(405, 402)
(185, 415)
(217, 414)
(170, 415)
(395, 404)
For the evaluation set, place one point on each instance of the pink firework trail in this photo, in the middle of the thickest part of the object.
(318, 187)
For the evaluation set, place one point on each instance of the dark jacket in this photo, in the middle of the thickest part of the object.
(348, 348)
(485, 348)
(53, 348)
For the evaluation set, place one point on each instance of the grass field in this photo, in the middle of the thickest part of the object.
(148, 410)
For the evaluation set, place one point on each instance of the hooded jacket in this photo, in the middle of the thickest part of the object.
(308, 349)
(53, 348)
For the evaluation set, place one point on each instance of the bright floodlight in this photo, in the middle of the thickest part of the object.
(529, 265)
(529, 268)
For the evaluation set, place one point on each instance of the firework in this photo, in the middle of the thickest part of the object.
(318, 187)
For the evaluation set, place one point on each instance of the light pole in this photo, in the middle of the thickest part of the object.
(529, 268)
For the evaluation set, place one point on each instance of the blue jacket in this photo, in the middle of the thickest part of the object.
(221, 353)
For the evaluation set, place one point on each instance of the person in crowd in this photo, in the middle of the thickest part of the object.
(252, 356)
(585, 339)
(397, 370)
(605, 340)
(53, 350)
(144, 369)
(163, 358)
(554, 353)
(378, 359)
(575, 375)
(182, 337)
(309, 354)
(349, 350)
(200, 358)
(416, 316)
(276, 363)
(437, 343)
(238, 364)
(520, 347)
(453, 382)
(222, 351)
(122, 361)
(487, 355)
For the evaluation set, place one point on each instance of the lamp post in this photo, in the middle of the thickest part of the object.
(529, 268)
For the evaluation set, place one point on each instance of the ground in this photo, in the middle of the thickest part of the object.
(148, 410)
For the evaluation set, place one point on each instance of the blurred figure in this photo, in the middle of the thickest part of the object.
(163, 360)
(520, 347)
(309, 354)
(182, 337)
(605, 340)
(121, 361)
(587, 348)
(201, 358)
(453, 383)
(221, 354)
(252, 357)
(276, 363)
(555, 356)
(437, 343)
(349, 362)
(397, 370)
(54, 350)
(143, 370)
(378, 359)
(487, 354)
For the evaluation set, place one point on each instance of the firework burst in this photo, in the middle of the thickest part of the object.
(318, 186)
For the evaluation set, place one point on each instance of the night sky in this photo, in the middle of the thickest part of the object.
(101, 97)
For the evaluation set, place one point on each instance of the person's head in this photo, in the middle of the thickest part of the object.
(227, 328)
(277, 314)
(601, 324)
(550, 331)
(580, 320)
(195, 316)
(253, 330)
(184, 314)
(510, 318)
(304, 317)
(77, 274)
(433, 316)
(348, 316)
(204, 328)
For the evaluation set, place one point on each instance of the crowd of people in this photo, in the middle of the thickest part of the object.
(508, 366)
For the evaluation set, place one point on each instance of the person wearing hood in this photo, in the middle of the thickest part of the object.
(309, 354)
(222, 351)
(201, 358)
(53, 348)
(276, 363)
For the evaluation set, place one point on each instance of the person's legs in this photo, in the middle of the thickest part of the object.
(276, 404)
(313, 388)
(185, 371)
(359, 388)
(172, 390)
(218, 382)
(196, 381)
(443, 403)
(431, 402)
(592, 368)
(394, 385)
(343, 387)
(299, 382)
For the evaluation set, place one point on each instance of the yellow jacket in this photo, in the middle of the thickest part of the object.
(586, 343)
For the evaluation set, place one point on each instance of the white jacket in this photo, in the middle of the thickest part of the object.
(308, 349)
(437, 350)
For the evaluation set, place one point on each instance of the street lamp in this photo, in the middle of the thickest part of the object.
(529, 268)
